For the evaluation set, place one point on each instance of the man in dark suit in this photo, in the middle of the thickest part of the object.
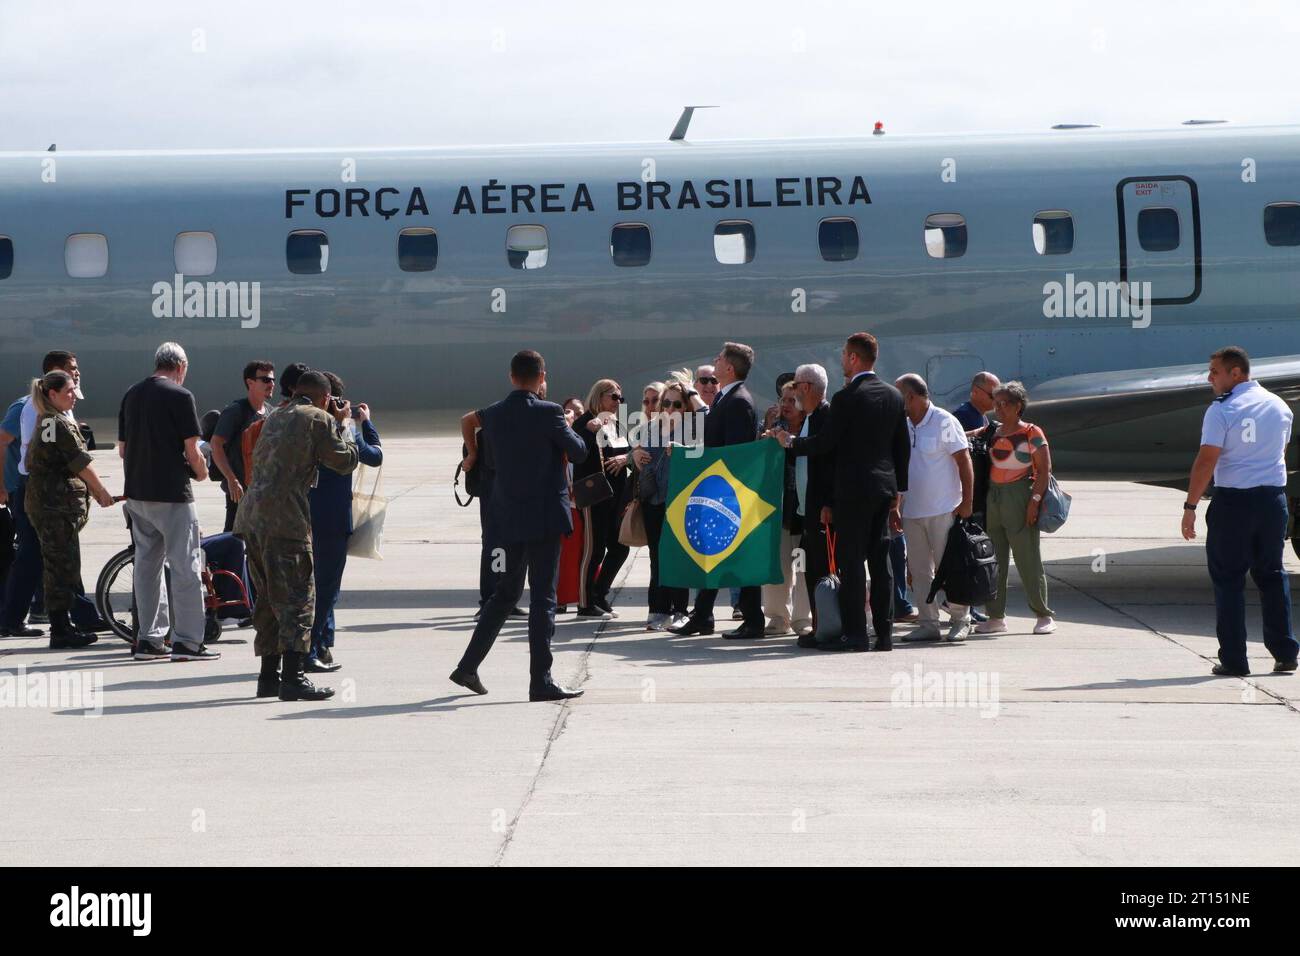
(530, 512)
(731, 421)
(814, 482)
(868, 433)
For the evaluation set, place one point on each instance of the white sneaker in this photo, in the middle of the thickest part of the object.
(1045, 625)
(929, 631)
(679, 620)
(957, 633)
(994, 625)
(777, 628)
(657, 622)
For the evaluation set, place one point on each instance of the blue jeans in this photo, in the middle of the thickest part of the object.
(24, 581)
(898, 561)
(1247, 532)
(329, 557)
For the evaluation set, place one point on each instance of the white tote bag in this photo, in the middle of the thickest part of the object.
(368, 510)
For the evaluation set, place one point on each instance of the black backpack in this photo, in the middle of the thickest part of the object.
(478, 479)
(968, 573)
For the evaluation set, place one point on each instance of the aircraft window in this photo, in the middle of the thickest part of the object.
(629, 244)
(1281, 225)
(945, 235)
(838, 239)
(307, 252)
(527, 247)
(1053, 232)
(85, 255)
(6, 257)
(1158, 229)
(195, 253)
(733, 242)
(417, 250)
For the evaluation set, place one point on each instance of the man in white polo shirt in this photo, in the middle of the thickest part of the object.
(940, 483)
(1243, 447)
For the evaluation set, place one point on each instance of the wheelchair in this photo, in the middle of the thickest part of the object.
(115, 593)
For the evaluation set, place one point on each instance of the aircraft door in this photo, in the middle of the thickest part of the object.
(1160, 237)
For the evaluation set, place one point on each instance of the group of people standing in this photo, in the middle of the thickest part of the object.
(293, 519)
(875, 463)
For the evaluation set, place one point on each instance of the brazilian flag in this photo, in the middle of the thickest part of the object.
(722, 526)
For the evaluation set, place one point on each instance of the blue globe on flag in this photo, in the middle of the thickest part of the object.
(712, 516)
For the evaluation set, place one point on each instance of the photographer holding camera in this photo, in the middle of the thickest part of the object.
(331, 526)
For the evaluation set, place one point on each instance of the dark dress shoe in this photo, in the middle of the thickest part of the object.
(882, 644)
(244, 622)
(67, 640)
(550, 691)
(268, 686)
(22, 630)
(807, 640)
(604, 605)
(841, 644)
(318, 666)
(693, 626)
(1218, 670)
(1284, 667)
(744, 633)
(468, 681)
(325, 656)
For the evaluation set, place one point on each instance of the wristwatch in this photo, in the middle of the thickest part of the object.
(1188, 506)
(1035, 497)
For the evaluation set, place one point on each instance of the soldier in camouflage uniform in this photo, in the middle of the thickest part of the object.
(59, 487)
(274, 519)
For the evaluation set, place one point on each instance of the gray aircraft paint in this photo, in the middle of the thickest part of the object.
(431, 340)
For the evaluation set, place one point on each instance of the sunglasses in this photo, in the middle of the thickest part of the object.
(672, 404)
(710, 380)
(268, 379)
(616, 396)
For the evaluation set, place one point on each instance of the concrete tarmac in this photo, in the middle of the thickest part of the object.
(1107, 742)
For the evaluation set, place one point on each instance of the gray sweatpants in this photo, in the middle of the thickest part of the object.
(167, 531)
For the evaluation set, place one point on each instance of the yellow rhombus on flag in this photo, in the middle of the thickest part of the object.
(724, 515)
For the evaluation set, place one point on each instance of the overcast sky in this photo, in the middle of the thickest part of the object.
(280, 73)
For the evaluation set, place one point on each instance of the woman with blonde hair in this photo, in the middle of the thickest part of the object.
(668, 606)
(61, 481)
(602, 553)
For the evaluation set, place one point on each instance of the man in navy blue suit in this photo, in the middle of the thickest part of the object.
(331, 526)
(731, 421)
(530, 439)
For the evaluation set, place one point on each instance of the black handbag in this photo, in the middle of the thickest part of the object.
(595, 488)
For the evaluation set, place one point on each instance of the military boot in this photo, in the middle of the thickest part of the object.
(294, 684)
(268, 681)
(63, 635)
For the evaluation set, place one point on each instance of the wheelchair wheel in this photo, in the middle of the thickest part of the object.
(114, 595)
(211, 628)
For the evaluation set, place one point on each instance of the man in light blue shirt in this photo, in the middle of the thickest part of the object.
(1243, 447)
